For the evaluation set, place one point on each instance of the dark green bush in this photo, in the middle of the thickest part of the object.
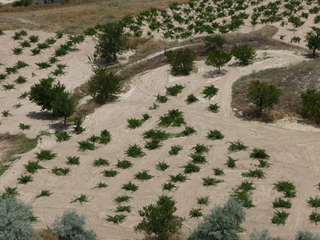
(213, 108)
(144, 175)
(32, 167)
(279, 217)
(162, 166)
(174, 90)
(134, 151)
(73, 160)
(215, 135)
(110, 173)
(46, 155)
(210, 91)
(124, 164)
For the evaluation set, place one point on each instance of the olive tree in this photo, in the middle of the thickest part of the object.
(159, 220)
(63, 105)
(313, 40)
(223, 222)
(218, 58)
(182, 61)
(263, 95)
(311, 105)
(244, 53)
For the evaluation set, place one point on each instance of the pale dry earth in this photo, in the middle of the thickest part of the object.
(293, 147)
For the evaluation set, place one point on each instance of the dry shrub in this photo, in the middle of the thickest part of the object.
(47, 234)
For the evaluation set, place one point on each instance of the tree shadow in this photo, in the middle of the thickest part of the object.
(40, 115)
(60, 127)
(215, 73)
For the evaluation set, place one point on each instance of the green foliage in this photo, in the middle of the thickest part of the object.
(175, 149)
(46, 155)
(59, 35)
(21, 64)
(78, 125)
(159, 220)
(90, 31)
(182, 61)
(62, 50)
(153, 144)
(86, 145)
(134, 123)
(174, 90)
(314, 217)
(32, 167)
(73, 160)
(124, 164)
(162, 166)
(110, 173)
(8, 86)
(77, 39)
(15, 218)
(50, 41)
(218, 171)
(10, 70)
(168, 186)
(208, 181)
(63, 136)
(63, 105)
(60, 171)
(237, 146)
(313, 40)
(81, 199)
(10, 192)
(154, 107)
(223, 222)
(218, 58)
(279, 217)
(161, 98)
(35, 51)
(178, 178)
(121, 199)
(213, 42)
(314, 202)
(244, 53)
(191, 168)
(156, 134)
(257, 173)
(263, 164)
(264, 96)
(195, 213)
(210, 91)
(24, 179)
(203, 200)
(287, 188)
(200, 149)
(174, 118)
(71, 226)
(213, 108)
(134, 151)
(215, 135)
(187, 131)
(116, 219)
(20, 80)
(144, 175)
(259, 153)
(191, 99)
(44, 193)
(34, 38)
(2, 77)
(25, 44)
(198, 159)
(101, 185)
(310, 107)
(6, 113)
(123, 209)
(111, 40)
(306, 235)
(43, 46)
(17, 51)
(281, 203)
(43, 65)
(104, 85)
(264, 235)
(130, 187)
(58, 72)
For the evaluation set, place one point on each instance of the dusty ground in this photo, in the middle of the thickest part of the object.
(293, 148)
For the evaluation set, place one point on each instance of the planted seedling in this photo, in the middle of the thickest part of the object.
(60, 171)
(215, 135)
(81, 199)
(124, 164)
(162, 166)
(46, 155)
(44, 193)
(214, 108)
(73, 160)
(110, 173)
(195, 213)
(63, 136)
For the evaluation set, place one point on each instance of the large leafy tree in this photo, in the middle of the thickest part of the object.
(214, 41)
(313, 40)
(217, 58)
(15, 219)
(244, 53)
(222, 223)
(263, 95)
(104, 85)
(70, 226)
(63, 105)
(182, 61)
(159, 220)
(110, 41)
(311, 105)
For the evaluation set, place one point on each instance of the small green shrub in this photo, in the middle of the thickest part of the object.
(8, 191)
(2, 77)
(60, 171)
(174, 118)
(134, 151)
(198, 158)
(203, 200)
(24, 126)
(162, 166)
(59, 35)
(24, 179)
(144, 175)
(110, 173)
(191, 99)
(81, 199)
(123, 209)
(101, 185)
(100, 162)
(124, 164)
(279, 217)
(34, 38)
(245, 186)
(43, 65)
(210, 91)
(8, 86)
(73, 160)
(237, 146)
(200, 149)
(35, 51)
(23, 95)
(58, 72)
(191, 168)
(63, 136)
(257, 173)
(116, 219)
(174, 90)
(161, 98)
(44, 193)
(93, 138)
(134, 123)
(78, 125)
(156, 134)
(145, 117)
(218, 171)
(168, 186)
(259, 153)
(25, 44)
(213, 108)
(263, 164)
(281, 203)
(231, 162)
(20, 80)
(21, 64)
(130, 187)
(215, 135)
(86, 145)
(208, 181)
(10, 70)
(287, 188)
(195, 213)
(50, 40)
(314, 202)
(61, 66)
(244, 197)
(46, 155)
(17, 51)
(178, 178)
(6, 113)
(188, 131)
(153, 144)
(314, 217)
(121, 199)
(32, 167)
(43, 46)
(175, 149)
(154, 107)
(53, 60)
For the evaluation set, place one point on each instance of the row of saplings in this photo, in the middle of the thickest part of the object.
(159, 222)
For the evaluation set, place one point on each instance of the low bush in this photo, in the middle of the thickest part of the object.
(12, 70)
(35, 51)
(110, 173)
(8, 191)
(130, 187)
(281, 203)
(195, 213)
(191, 99)
(100, 162)
(200, 149)
(174, 90)
(34, 38)
(20, 80)
(259, 153)
(121, 199)
(178, 178)
(60, 171)
(73, 160)
(187, 131)
(6, 113)
(63, 136)
(43, 65)
(81, 199)
(24, 126)
(86, 145)
(124, 164)
(245, 186)
(43, 46)
(215, 135)
(123, 209)
(101, 185)
(287, 188)
(25, 44)
(33, 166)
(58, 72)
(237, 146)
(314, 202)
(191, 168)
(24, 179)
(154, 107)
(8, 86)
(231, 162)
(134, 151)
(162, 166)
(21, 64)
(174, 118)
(279, 217)
(156, 134)
(210, 91)
(203, 201)
(161, 98)
(218, 171)
(314, 217)
(153, 144)
(257, 173)
(198, 158)
(175, 149)
(244, 197)
(214, 108)
(45, 155)
(144, 175)
(134, 123)
(17, 51)
(208, 181)
(116, 219)
(263, 164)
(168, 186)
(44, 193)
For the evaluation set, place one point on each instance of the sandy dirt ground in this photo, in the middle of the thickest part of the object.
(293, 148)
